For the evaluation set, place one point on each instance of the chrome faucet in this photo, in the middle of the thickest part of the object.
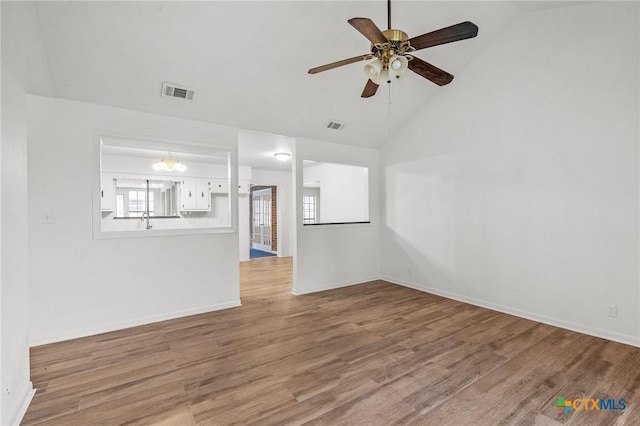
(146, 214)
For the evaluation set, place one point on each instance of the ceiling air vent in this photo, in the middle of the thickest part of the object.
(174, 91)
(335, 125)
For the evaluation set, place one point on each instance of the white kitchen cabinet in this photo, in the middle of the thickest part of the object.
(244, 186)
(107, 193)
(195, 195)
(220, 186)
(203, 194)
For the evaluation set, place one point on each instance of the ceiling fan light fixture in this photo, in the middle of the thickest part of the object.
(395, 69)
(376, 73)
(398, 62)
(372, 70)
(398, 66)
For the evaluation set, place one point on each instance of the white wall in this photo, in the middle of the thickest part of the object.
(244, 246)
(282, 180)
(76, 287)
(244, 173)
(517, 187)
(330, 256)
(21, 51)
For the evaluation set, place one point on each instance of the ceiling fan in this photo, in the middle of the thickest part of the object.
(393, 52)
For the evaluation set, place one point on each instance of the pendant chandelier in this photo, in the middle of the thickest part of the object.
(169, 164)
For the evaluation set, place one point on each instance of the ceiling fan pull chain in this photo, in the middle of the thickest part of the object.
(389, 126)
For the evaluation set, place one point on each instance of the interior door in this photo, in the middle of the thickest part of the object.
(262, 220)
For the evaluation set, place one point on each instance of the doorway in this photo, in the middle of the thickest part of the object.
(264, 221)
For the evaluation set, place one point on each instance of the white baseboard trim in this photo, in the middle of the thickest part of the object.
(298, 292)
(23, 404)
(75, 334)
(556, 322)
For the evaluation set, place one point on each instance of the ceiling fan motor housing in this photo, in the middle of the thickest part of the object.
(398, 44)
(395, 35)
(391, 57)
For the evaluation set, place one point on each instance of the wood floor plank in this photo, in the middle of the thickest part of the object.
(373, 353)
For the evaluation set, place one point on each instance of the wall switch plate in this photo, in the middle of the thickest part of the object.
(409, 271)
(612, 311)
(47, 217)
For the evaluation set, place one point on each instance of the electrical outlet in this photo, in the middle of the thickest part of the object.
(612, 311)
(7, 386)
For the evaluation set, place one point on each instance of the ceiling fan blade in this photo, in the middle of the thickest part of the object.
(340, 63)
(450, 34)
(368, 29)
(369, 90)
(430, 72)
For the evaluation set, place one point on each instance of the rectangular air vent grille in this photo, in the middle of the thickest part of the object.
(335, 125)
(174, 91)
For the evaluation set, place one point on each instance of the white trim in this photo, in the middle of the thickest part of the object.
(21, 409)
(261, 193)
(627, 339)
(297, 292)
(169, 232)
(75, 334)
(314, 226)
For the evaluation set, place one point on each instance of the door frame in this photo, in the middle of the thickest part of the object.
(273, 213)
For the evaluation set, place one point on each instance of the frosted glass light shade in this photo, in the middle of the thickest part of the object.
(398, 67)
(372, 70)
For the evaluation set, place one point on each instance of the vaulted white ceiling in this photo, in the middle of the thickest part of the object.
(248, 61)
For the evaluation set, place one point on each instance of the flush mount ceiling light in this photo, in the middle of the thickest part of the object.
(282, 156)
(169, 164)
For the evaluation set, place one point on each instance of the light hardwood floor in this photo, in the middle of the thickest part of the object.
(371, 354)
